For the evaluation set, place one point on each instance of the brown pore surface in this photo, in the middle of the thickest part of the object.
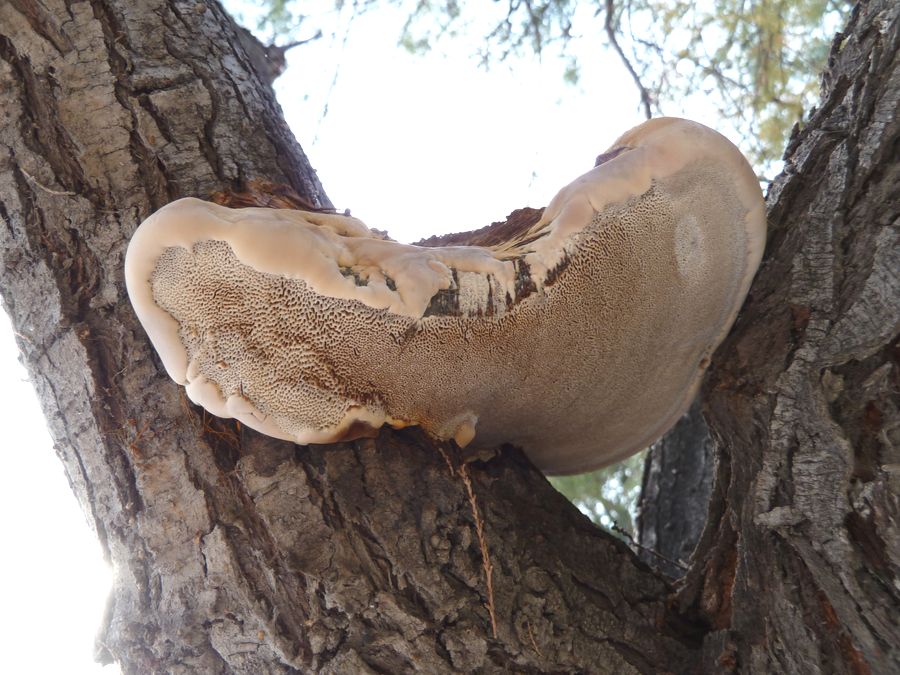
(622, 328)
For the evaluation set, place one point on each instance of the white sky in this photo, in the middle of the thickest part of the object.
(421, 146)
(413, 145)
(54, 579)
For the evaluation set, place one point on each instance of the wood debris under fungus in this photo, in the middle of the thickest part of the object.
(580, 338)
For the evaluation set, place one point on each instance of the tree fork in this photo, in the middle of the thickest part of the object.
(239, 553)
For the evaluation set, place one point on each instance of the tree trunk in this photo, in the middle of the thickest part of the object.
(678, 477)
(239, 553)
(798, 566)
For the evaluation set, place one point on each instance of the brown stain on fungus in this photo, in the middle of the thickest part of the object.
(358, 430)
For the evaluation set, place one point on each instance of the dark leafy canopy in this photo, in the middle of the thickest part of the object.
(755, 61)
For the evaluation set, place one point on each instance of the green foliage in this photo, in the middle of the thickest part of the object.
(271, 18)
(608, 495)
(756, 61)
(522, 27)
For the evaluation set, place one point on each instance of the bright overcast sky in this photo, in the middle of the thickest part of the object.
(421, 146)
(414, 145)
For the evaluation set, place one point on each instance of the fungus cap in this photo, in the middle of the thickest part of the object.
(581, 337)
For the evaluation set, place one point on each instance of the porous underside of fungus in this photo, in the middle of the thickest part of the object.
(580, 337)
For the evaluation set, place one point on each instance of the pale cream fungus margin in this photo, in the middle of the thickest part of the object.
(637, 270)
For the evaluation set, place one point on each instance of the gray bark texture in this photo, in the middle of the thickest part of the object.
(236, 553)
(797, 570)
(678, 480)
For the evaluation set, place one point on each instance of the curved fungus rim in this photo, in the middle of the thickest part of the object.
(706, 237)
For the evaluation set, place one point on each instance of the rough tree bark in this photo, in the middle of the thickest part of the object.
(797, 570)
(678, 478)
(239, 553)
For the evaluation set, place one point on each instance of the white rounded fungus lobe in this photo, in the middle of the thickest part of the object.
(580, 339)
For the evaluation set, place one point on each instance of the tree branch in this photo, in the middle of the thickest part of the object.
(646, 99)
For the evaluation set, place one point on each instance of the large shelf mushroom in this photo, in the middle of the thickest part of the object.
(581, 337)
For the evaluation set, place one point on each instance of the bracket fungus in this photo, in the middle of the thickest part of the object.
(580, 338)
